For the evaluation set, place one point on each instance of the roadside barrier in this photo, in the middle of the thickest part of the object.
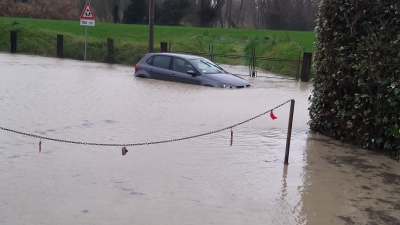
(124, 150)
(254, 74)
(302, 65)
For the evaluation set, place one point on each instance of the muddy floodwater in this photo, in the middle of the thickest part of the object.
(200, 181)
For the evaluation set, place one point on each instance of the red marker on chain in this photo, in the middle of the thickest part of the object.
(124, 150)
(271, 114)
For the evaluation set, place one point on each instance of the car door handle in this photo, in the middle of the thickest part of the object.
(172, 75)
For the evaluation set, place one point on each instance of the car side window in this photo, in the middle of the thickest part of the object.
(161, 61)
(150, 60)
(181, 65)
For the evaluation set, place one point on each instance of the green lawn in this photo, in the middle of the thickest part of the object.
(38, 37)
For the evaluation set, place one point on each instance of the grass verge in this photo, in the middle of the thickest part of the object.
(37, 36)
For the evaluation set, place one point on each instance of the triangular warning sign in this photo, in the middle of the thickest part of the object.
(87, 12)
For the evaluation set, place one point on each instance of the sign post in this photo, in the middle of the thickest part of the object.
(87, 19)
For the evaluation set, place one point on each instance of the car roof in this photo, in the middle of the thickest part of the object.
(185, 56)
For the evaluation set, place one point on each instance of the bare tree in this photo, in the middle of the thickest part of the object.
(283, 14)
(256, 9)
(207, 11)
(228, 15)
(238, 13)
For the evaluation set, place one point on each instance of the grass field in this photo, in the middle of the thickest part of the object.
(38, 36)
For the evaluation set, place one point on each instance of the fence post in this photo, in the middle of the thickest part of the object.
(164, 46)
(289, 132)
(13, 41)
(298, 68)
(60, 46)
(110, 50)
(254, 62)
(306, 67)
(210, 52)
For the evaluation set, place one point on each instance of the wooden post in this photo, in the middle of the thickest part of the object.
(164, 46)
(306, 67)
(298, 68)
(151, 26)
(60, 46)
(13, 41)
(110, 50)
(289, 132)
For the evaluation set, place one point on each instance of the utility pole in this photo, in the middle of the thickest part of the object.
(151, 25)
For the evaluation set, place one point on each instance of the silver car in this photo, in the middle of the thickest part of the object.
(188, 69)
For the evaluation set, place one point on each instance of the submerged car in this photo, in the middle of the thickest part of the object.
(188, 69)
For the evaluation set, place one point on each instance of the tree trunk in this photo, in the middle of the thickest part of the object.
(115, 12)
(240, 11)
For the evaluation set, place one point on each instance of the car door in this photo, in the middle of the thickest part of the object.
(179, 72)
(160, 67)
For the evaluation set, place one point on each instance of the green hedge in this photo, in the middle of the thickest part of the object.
(356, 96)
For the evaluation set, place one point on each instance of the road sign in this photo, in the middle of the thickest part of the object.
(87, 16)
(87, 19)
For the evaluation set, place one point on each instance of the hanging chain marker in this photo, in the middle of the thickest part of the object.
(124, 150)
(40, 145)
(231, 136)
(271, 114)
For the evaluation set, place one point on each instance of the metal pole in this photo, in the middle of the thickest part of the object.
(212, 52)
(209, 52)
(289, 132)
(151, 25)
(84, 57)
(253, 73)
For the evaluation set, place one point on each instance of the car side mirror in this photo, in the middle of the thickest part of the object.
(191, 72)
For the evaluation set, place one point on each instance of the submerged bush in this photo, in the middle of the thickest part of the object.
(356, 96)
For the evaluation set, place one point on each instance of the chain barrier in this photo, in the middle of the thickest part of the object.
(268, 77)
(144, 143)
(279, 78)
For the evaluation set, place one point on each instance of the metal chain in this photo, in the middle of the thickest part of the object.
(279, 78)
(144, 143)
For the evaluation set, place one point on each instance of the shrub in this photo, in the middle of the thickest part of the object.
(356, 96)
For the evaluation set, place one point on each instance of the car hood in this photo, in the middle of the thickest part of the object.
(228, 78)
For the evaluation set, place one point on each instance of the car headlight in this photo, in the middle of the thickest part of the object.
(227, 86)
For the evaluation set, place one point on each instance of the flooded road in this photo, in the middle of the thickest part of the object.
(197, 181)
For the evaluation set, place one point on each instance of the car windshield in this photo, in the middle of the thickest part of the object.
(206, 66)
